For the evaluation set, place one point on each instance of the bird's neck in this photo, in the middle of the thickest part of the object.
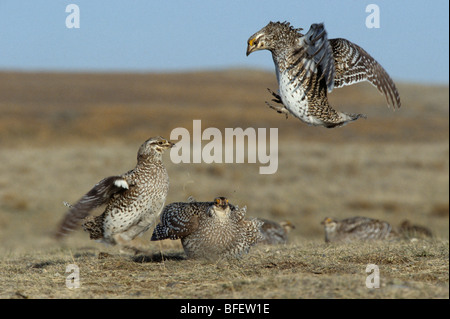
(281, 58)
(222, 213)
(149, 159)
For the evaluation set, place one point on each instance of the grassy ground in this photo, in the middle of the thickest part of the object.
(62, 133)
(303, 270)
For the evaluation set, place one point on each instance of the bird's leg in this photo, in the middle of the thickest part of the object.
(280, 109)
(277, 97)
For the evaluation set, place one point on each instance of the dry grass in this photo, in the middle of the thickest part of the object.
(303, 270)
(62, 133)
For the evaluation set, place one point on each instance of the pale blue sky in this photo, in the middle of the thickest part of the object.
(412, 42)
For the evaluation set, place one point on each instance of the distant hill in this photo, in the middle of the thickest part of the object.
(60, 107)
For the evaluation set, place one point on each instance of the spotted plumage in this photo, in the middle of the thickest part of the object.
(133, 200)
(309, 65)
(274, 233)
(208, 230)
(357, 229)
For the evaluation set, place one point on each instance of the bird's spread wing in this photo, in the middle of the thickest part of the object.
(177, 229)
(315, 56)
(97, 196)
(353, 64)
(178, 220)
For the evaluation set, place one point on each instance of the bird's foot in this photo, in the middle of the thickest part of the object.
(277, 97)
(279, 109)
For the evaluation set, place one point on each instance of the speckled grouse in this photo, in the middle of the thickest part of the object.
(308, 65)
(133, 200)
(274, 233)
(209, 230)
(357, 229)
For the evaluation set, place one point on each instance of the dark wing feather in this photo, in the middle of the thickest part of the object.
(319, 54)
(353, 64)
(97, 196)
(178, 220)
(176, 230)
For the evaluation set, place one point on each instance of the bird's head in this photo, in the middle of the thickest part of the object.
(221, 202)
(220, 208)
(256, 42)
(154, 146)
(329, 223)
(272, 36)
(287, 225)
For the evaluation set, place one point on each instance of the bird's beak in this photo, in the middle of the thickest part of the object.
(249, 50)
(170, 144)
(250, 46)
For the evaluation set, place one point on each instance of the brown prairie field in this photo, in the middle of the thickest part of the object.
(61, 133)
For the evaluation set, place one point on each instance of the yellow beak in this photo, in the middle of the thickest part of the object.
(251, 46)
